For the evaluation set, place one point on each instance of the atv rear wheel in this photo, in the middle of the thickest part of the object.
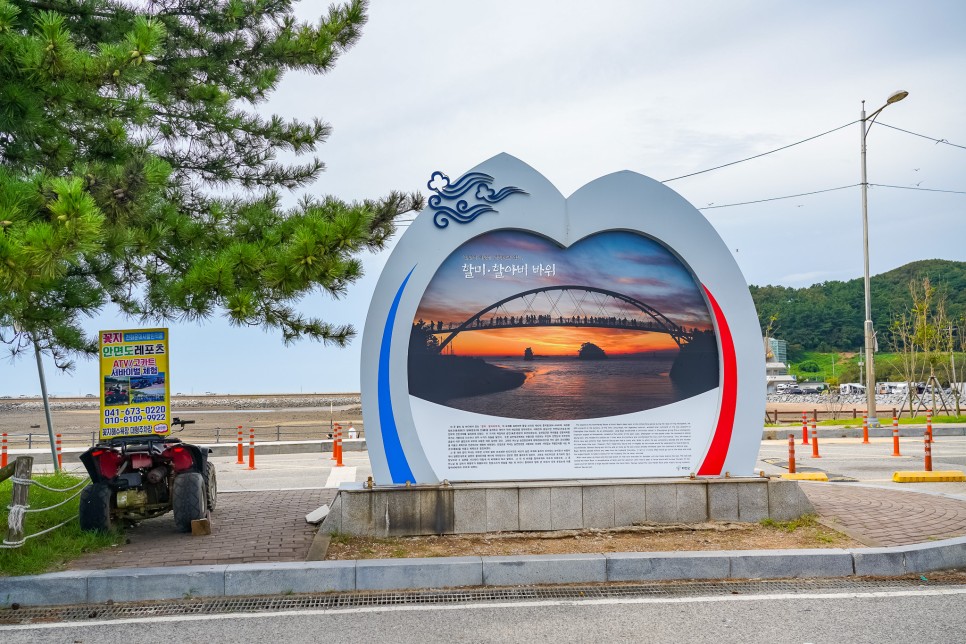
(95, 508)
(188, 500)
(211, 485)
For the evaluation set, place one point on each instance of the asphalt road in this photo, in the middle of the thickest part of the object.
(911, 615)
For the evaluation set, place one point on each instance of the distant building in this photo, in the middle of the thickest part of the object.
(778, 350)
(776, 377)
(776, 366)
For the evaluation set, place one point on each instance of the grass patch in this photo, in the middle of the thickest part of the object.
(804, 521)
(340, 538)
(51, 551)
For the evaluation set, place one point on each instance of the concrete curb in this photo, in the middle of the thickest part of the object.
(177, 582)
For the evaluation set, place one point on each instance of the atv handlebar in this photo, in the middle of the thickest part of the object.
(178, 421)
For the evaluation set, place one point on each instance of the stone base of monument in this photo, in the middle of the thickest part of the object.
(466, 508)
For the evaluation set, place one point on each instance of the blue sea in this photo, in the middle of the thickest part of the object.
(570, 389)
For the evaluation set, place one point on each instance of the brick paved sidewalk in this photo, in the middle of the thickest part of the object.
(888, 517)
(269, 526)
(247, 527)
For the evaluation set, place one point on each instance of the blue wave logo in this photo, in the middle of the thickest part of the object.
(448, 203)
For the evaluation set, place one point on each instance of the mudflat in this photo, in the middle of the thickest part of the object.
(217, 418)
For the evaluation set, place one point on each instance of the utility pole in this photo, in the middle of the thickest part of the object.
(43, 392)
(865, 123)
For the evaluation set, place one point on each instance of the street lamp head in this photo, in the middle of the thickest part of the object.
(897, 96)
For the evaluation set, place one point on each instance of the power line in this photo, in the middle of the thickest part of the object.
(784, 147)
(802, 194)
(922, 135)
(404, 223)
(883, 185)
(815, 192)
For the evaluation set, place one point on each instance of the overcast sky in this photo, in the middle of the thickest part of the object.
(581, 89)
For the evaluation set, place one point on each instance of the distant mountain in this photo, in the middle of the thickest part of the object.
(829, 316)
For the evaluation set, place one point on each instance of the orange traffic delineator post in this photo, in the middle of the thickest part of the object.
(241, 449)
(814, 441)
(3, 451)
(804, 429)
(895, 435)
(60, 456)
(335, 430)
(251, 448)
(929, 425)
(865, 427)
(791, 453)
(337, 446)
(928, 465)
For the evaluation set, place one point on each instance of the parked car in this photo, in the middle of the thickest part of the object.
(794, 390)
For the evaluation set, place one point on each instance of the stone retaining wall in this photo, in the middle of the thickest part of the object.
(467, 508)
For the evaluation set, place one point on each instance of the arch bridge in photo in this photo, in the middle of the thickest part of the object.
(564, 306)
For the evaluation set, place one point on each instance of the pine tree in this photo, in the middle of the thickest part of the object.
(123, 125)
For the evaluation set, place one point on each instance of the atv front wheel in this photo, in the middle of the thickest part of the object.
(95, 508)
(188, 500)
(211, 485)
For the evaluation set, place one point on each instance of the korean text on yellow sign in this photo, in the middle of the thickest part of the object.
(135, 395)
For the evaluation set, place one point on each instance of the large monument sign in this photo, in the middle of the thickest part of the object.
(516, 334)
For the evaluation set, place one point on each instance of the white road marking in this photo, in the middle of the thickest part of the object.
(345, 474)
(919, 592)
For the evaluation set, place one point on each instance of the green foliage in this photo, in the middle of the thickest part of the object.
(830, 316)
(823, 367)
(804, 521)
(340, 538)
(844, 367)
(124, 125)
(49, 552)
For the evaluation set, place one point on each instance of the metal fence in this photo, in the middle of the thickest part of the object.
(817, 414)
(204, 435)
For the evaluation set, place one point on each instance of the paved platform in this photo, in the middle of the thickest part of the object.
(247, 527)
(260, 516)
(888, 517)
(260, 540)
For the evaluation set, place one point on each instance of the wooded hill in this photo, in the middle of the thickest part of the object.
(829, 316)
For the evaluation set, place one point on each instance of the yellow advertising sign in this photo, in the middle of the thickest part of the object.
(135, 398)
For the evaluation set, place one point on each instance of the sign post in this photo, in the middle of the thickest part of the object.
(135, 394)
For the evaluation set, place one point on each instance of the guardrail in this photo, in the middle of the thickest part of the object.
(793, 417)
(206, 435)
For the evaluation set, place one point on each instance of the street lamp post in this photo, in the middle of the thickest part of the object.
(865, 122)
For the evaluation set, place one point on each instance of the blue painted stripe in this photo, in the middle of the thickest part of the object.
(399, 469)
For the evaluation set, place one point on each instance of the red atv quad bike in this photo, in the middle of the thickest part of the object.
(142, 477)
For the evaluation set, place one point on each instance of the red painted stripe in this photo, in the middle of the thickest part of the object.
(721, 441)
